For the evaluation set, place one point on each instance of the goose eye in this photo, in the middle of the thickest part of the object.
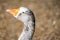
(22, 12)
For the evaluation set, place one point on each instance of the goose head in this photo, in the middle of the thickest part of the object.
(21, 13)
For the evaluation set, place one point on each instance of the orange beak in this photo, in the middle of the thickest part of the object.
(13, 11)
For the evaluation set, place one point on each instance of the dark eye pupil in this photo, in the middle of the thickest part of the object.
(22, 12)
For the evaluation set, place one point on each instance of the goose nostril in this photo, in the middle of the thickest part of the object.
(20, 14)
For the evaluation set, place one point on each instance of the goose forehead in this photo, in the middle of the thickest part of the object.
(23, 9)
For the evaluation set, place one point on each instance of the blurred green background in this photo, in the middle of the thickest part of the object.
(47, 15)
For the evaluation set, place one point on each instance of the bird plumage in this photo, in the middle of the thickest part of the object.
(27, 17)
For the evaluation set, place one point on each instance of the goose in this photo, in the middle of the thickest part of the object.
(25, 15)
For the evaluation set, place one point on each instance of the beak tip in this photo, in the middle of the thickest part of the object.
(7, 10)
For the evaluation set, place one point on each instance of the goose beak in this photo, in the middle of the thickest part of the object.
(13, 11)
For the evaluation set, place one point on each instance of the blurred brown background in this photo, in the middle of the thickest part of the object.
(47, 15)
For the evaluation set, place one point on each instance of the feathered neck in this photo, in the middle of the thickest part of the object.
(28, 30)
